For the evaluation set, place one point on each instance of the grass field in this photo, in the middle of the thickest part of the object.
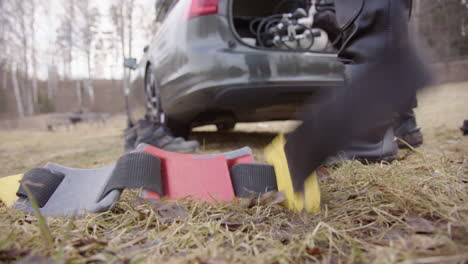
(414, 210)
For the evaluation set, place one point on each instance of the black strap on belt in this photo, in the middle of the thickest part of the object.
(253, 179)
(41, 184)
(136, 170)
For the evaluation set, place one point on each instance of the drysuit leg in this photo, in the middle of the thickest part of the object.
(375, 145)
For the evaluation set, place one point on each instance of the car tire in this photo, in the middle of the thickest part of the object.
(153, 100)
(153, 105)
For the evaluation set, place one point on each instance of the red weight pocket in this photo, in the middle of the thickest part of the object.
(186, 175)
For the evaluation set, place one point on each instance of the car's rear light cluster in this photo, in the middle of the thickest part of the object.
(203, 8)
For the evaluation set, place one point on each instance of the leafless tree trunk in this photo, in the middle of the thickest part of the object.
(122, 42)
(79, 95)
(122, 16)
(89, 84)
(65, 38)
(4, 79)
(71, 20)
(23, 15)
(90, 17)
(51, 81)
(130, 7)
(16, 89)
(35, 92)
(50, 89)
(13, 16)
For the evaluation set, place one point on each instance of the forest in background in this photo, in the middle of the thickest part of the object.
(61, 56)
(67, 55)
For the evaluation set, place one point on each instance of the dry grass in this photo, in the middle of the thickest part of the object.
(414, 210)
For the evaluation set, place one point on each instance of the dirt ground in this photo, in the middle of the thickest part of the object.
(414, 210)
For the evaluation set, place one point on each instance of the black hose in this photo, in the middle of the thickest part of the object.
(252, 23)
(260, 27)
(326, 8)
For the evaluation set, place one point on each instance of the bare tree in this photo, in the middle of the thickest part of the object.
(4, 78)
(65, 46)
(24, 14)
(88, 32)
(32, 29)
(79, 95)
(14, 81)
(51, 53)
(52, 79)
(3, 41)
(16, 89)
(15, 18)
(122, 17)
(66, 36)
(101, 47)
(23, 11)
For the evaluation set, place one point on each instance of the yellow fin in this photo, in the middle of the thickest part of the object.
(8, 187)
(312, 193)
(296, 201)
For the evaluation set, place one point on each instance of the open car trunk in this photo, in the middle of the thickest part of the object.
(255, 20)
(245, 11)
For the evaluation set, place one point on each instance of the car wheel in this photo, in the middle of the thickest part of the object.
(226, 126)
(154, 108)
(153, 100)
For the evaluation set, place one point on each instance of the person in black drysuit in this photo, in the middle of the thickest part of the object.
(383, 74)
(378, 144)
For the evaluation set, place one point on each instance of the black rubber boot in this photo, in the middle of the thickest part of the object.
(369, 149)
(464, 127)
(407, 131)
(157, 135)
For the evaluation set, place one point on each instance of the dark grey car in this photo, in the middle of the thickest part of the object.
(202, 68)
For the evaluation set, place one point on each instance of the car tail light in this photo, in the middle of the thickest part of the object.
(203, 8)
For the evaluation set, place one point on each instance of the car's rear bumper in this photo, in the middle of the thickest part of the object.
(247, 102)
